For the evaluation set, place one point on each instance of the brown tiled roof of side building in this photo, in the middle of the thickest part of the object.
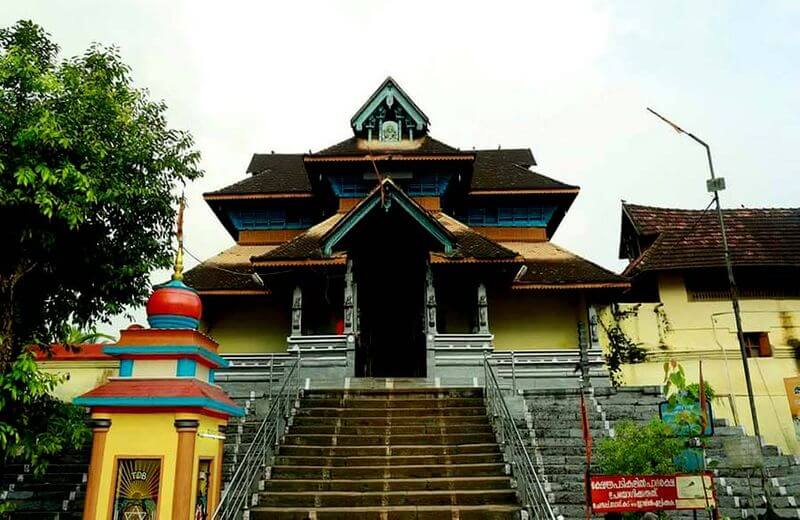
(684, 239)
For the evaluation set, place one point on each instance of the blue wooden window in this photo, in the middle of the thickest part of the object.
(428, 184)
(505, 216)
(270, 218)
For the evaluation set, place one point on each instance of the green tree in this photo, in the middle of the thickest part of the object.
(639, 450)
(87, 170)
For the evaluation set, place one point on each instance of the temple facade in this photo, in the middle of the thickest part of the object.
(393, 254)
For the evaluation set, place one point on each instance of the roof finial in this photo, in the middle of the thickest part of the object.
(178, 274)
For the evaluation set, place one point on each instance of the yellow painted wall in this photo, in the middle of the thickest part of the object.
(247, 324)
(523, 320)
(687, 331)
(151, 436)
(155, 368)
(83, 375)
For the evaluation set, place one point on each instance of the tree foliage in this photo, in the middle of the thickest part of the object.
(639, 450)
(87, 170)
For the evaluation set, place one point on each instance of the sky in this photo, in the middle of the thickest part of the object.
(570, 80)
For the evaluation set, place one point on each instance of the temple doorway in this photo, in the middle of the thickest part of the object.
(389, 262)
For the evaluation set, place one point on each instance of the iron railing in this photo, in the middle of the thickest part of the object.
(236, 498)
(529, 486)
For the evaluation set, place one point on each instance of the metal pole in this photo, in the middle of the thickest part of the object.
(734, 291)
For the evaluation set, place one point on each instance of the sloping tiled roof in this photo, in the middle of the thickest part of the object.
(691, 239)
(469, 246)
(551, 267)
(422, 146)
(510, 169)
(272, 173)
(305, 246)
(217, 273)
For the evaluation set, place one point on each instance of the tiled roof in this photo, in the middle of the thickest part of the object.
(422, 146)
(160, 388)
(218, 272)
(690, 239)
(509, 170)
(271, 173)
(550, 267)
(470, 245)
(305, 246)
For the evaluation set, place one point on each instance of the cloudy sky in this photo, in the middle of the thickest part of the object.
(570, 80)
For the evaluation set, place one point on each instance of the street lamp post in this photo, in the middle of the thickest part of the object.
(715, 185)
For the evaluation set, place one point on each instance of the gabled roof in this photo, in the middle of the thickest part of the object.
(316, 245)
(389, 87)
(379, 198)
(510, 170)
(680, 239)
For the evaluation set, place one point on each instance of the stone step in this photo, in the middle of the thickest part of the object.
(431, 411)
(487, 512)
(430, 429)
(387, 472)
(392, 460)
(304, 420)
(385, 440)
(349, 451)
(381, 484)
(396, 393)
(366, 402)
(55, 478)
(386, 498)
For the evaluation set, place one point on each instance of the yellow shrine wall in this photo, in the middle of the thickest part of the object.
(247, 324)
(83, 375)
(687, 331)
(150, 435)
(522, 319)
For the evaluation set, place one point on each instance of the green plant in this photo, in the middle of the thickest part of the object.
(621, 348)
(637, 449)
(34, 425)
(684, 397)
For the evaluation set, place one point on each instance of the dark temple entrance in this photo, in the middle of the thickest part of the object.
(389, 254)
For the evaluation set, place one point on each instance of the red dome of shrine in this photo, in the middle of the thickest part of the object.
(174, 305)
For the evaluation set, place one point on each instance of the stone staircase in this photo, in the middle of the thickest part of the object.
(58, 494)
(387, 453)
(554, 428)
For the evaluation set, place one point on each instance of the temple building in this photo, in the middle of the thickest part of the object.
(393, 254)
(679, 307)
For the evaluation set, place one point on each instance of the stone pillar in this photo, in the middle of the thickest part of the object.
(297, 311)
(184, 469)
(100, 427)
(483, 310)
(349, 300)
(430, 303)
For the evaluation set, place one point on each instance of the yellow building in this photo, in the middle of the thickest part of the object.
(679, 306)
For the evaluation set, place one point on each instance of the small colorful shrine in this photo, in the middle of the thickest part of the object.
(393, 254)
(158, 426)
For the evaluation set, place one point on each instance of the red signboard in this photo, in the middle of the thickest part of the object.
(628, 493)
